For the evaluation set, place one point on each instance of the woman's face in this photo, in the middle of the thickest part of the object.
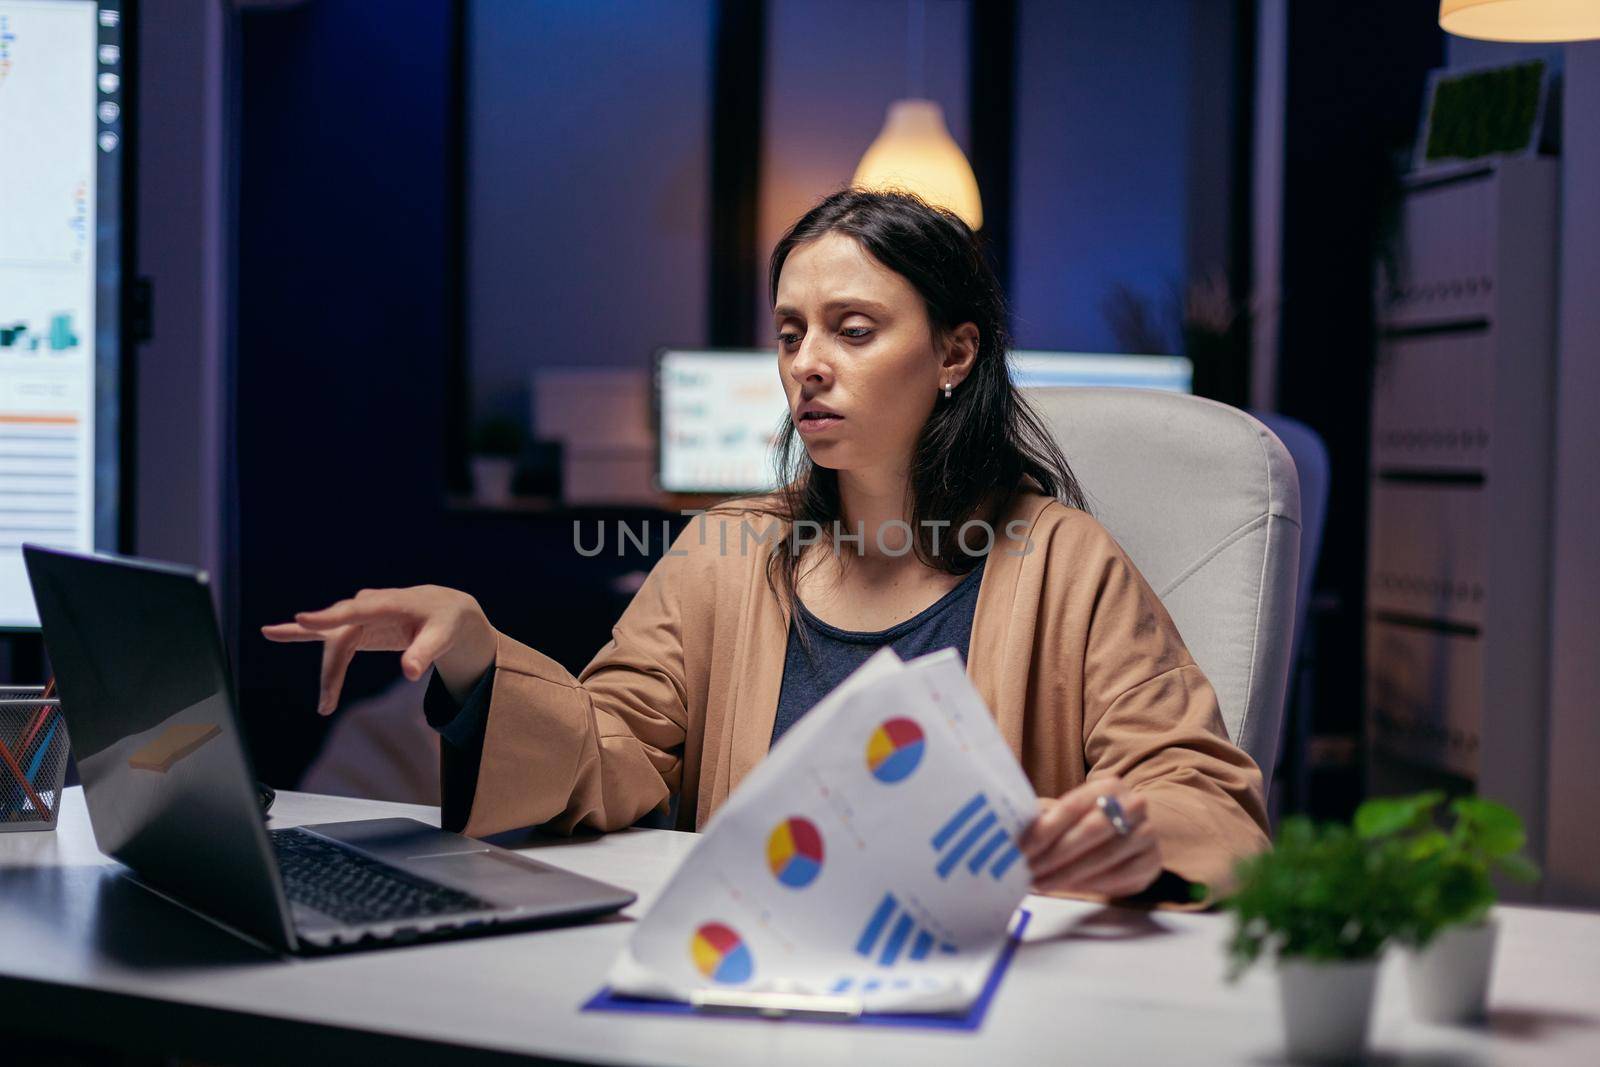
(854, 342)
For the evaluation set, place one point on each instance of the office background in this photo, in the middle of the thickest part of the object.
(369, 228)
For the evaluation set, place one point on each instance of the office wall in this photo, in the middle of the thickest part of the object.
(587, 185)
(833, 67)
(342, 331)
(1104, 153)
(1267, 106)
(1121, 170)
(1353, 90)
(343, 371)
(184, 246)
(1120, 173)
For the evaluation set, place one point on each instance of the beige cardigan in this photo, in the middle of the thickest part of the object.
(1070, 649)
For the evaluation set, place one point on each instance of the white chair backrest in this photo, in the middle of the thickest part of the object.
(1206, 501)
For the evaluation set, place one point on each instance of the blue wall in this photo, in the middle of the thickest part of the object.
(1102, 163)
(342, 329)
(833, 67)
(588, 181)
(587, 184)
(342, 376)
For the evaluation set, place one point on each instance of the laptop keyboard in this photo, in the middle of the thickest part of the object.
(343, 883)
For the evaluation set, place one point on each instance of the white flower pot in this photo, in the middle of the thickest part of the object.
(1327, 1007)
(1450, 978)
(491, 479)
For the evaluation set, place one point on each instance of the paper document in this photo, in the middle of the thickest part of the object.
(872, 853)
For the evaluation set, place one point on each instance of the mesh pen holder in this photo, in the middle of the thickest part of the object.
(33, 759)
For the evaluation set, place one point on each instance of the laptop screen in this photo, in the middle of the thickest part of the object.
(148, 703)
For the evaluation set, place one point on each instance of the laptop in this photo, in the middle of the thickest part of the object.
(149, 704)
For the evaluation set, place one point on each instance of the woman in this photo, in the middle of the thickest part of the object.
(917, 451)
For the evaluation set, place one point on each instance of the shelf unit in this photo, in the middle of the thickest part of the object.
(1458, 570)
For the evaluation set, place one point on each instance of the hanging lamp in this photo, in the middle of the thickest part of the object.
(914, 151)
(1521, 20)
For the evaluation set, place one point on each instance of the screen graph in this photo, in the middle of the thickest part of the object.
(59, 336)
(61, 129)
(719, 411)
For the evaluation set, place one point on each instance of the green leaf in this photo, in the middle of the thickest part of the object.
(1383, 816)
(1495, 827)
(1523, 870)
(1325, 892)
(1330, 892)
(1426, 845)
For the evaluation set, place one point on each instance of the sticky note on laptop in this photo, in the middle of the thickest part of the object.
(172, 745)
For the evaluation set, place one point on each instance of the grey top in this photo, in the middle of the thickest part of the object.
(834, 653)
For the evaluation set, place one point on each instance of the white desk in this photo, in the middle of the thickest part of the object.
(86, 954)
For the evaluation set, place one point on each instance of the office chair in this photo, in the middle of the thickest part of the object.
(1310, 456)
(1206, 501)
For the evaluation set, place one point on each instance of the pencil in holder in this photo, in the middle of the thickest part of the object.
(33, 759)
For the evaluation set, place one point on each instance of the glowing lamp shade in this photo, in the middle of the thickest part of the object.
(915, 153)
(1521, 20)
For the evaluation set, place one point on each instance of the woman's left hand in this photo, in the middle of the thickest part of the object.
(1072, 846)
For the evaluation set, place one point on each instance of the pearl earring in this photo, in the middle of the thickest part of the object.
(947, 390)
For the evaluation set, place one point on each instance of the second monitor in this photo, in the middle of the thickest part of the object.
(719, 411)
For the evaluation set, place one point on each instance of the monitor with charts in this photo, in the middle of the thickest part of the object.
(64, 82)
(719, 411)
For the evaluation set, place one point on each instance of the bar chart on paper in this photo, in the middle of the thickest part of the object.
(892, 935)
(974, 837)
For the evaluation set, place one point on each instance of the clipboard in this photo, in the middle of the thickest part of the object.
(969, 1020)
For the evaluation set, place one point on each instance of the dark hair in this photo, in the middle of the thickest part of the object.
(984, 438)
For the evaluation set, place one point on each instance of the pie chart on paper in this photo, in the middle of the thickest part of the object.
(894, 750)
(794, 852)
(721, 955)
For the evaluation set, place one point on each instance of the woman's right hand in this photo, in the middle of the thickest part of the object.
(428, 624)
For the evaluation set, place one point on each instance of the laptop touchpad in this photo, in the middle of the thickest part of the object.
(486, 873)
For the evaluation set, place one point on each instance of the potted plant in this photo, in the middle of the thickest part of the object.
(1451, 932)
(1201, 318)
(1323, 903)
(496, 443)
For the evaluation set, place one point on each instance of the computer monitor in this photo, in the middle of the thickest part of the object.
(63, 130)
(718, 411)
(1034, 370)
